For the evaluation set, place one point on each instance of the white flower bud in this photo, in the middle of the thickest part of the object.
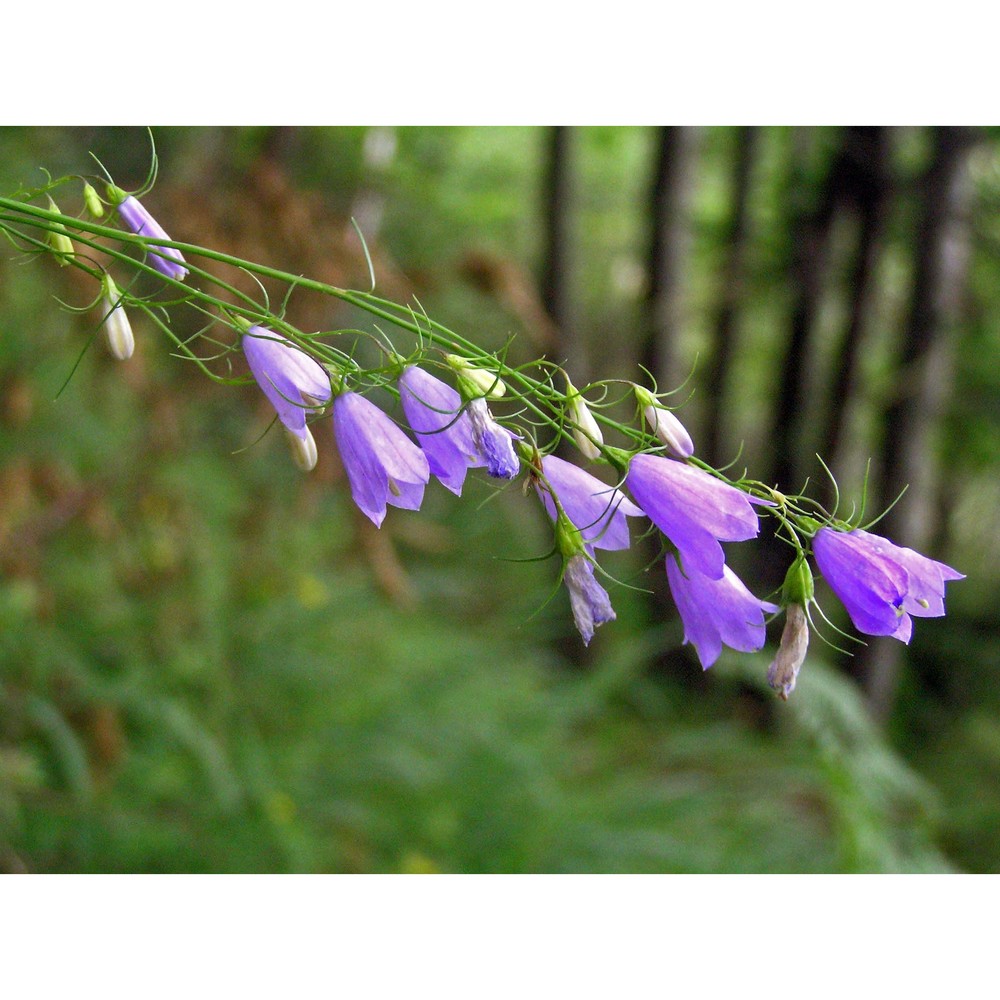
(586, 431)
(664, 424)
(303, 449)
(475, 381)
(117, 327)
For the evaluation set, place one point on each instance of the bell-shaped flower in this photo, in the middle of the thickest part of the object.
(717, 611)
(383, 465)
(693, 509)
(664, 424)
(493, 442)
(588, 600)
(444, 431)
(881, 584)
(596, 510)
(116, 323)
(295, 384)
(168, 261)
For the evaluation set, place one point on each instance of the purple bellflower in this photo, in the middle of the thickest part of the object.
(493, 442)
(717, 612)
(444, 432)
(596, 510)
(383, 465)
(693, 509)
(168, 261)
(881, 584)
(295, 384)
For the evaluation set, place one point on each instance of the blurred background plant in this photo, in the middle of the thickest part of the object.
(210, 662)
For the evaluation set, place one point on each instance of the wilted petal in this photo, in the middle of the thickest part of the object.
(588, 599)
(598, 511)
(383, 465)
(434, 412)
(784, 670)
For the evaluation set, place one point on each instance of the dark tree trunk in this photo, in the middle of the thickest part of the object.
(669, 231)
(923, 380)
(556, 271)
(724, 339)
(870, 194)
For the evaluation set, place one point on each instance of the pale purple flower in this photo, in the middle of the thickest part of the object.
(879, 583)
(295, 384)
(383, 465)
(493, 442)
(693, 509)
(597, 511)
(444, 431)
(167, 260)
(717, 612)
(588, 599)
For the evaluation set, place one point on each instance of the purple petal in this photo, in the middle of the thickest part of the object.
(717, 612)
(286, 375)
(383, 465)
(166, 260)
(597, 511)
(493, 442)
(693, 509)
(433, 410)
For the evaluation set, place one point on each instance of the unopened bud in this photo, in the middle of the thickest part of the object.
(664, 424)
(784, 671)
(62, 245)
(799, 587)
(303, 449)
(117, 327)
(93, 201)
(474, 381)
(586, 432)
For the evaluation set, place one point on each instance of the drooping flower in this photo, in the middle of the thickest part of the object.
(295, 384)
(717, 612)
(586, 432)
(664, 424)
(168, 261)
(693, 509)
(383, 465)
(588, 600)
(881, 584)
(784, 669)
(493, 442)
(444, 432)
(116, 324)
(596, 510)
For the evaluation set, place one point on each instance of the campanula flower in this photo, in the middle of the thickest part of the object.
(881, 584)
(693, 509)
(717, 612)
(664, 424)
(295, 384)
(444, 432)
(596, 510)
(493, 442)
(168, 261)
(116, 324)
(383, 465)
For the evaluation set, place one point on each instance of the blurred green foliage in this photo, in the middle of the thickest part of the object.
(200, 672)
